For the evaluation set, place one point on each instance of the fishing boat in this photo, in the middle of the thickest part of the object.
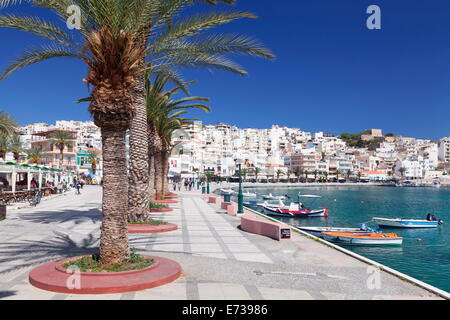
(363, 238)
(245, 194)
(294, 210)
(253, 204)
(272, 197)
(407, 223)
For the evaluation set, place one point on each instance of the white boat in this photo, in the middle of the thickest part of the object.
(245, 194)
(272, 197)
(363, 238)
(318, 230)
(407, 223)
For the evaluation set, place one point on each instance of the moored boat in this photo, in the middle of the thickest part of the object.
(407, 223)
(272, 197)
(318, 230)
(253, 204)
(294, 210)
(363, 238)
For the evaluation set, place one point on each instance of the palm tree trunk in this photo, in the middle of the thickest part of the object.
(62, 158)
(114, 232)
(138, 192)
(159, 171)
(165, 162)
(151, 164)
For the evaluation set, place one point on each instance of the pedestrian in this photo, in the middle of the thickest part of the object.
(78, 186)
(179, 185)
(174, 184)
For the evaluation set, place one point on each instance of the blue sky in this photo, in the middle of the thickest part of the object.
(331, 74)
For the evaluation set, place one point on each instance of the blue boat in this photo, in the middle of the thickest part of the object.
(407, 223)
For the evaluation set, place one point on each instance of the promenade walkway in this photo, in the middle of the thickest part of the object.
(219, 260)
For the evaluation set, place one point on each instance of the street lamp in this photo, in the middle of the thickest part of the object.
(240, 194)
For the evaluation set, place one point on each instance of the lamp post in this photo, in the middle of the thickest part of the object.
(240, 194)
(207, 183)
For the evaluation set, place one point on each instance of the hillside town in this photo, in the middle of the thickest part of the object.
(278, 154)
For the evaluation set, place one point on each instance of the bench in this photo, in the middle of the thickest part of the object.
(253, 223)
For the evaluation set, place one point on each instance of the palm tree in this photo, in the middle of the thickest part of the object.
(338, 172)
(114, 40)
(180, 44)
(298, 172)
(34, 154)
(279, 173)
(15, 146)
(315, 172)
(4, 138)
(325, 173)
(256, 171)
(62, 140)
(162, 112)
(244, 173)
(92, 158)
(306, 172)
(7, 125)
(359, 176)
(349, 173)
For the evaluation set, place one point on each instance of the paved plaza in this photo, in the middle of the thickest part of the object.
(219, 260)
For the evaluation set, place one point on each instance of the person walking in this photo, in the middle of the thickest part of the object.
(174, 184)
(78, 186)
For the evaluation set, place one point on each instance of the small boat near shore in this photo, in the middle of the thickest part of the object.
(363, 238)
(318, 230)
(272, 197)
(407, 223)
(294, 210)
(245, 194)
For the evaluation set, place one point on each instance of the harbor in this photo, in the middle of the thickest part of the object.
(423, 251)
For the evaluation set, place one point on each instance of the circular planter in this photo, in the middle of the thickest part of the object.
(171, 196)
(165, 201)
(147, 228)
(161, 210)
(54, 277)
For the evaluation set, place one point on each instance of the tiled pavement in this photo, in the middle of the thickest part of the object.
(219, 260)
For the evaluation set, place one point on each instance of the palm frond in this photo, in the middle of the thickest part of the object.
(38, 27)
(38, 55)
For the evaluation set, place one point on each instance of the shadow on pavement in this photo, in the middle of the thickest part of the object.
(30, 253)
(76, 216)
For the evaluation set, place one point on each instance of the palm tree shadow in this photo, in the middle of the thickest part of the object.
(4, 294)
(29, 253)
(76, 216)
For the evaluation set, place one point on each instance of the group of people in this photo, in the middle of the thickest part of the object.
(188, 184)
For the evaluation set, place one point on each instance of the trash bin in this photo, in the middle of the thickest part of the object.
(203, 190)
(227, 198)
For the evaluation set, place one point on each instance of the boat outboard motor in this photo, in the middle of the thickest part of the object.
(440, 222)
(363, 227)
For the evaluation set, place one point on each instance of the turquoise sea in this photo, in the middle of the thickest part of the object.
(427, 259)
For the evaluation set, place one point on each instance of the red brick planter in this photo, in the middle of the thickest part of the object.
(146, 228)
(165, 201)
(53, 277)
(161, 210)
